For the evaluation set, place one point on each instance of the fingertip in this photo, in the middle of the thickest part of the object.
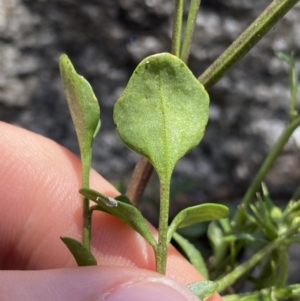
(91, 283)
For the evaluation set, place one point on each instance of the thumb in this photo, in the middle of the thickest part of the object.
(91, 283)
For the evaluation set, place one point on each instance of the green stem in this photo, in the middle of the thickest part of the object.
(87, 221)
(283, 264)
(269, 17)
(189, 29)
(288, 292)
(293, 87)
(87, 215)
(239, 217)
(177, 27)
(162, 246)
(230, 278)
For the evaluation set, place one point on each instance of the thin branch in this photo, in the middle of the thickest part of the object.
(246, 41)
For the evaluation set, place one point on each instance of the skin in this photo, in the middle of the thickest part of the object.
(39, 183)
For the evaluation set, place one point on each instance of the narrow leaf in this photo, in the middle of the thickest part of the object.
(283, 56)
(203, 289)
(83, 104)
(192, 254)
(244, 236)
(163, 111)
(215, 236)
(129, 214)
(197, 214)
(82, 255)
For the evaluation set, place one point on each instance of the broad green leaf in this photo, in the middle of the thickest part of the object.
(197, 214)
(203, 289)
(129, 214)
(192, 254)
(84, 109)
(163, 111)
(82, 255)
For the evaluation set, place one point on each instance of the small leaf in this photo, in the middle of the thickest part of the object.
(163, 111)
(243, 236)
(192, 254)
(129, 214)
(197, 214)
(215, 236)
(203, 289)
(82, 102)
(84, 109)
(82, 255)
(283, 56)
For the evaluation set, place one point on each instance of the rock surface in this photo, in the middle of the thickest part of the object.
(106, 40)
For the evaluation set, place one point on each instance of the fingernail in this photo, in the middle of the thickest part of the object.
(150, 291)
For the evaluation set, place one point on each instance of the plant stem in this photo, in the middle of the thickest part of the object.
(230, 278)
(266, 20)
(139, 180)
(87, 221)
(87, 214)
(293, 88)
(162, 246)
(272, 14)
(177, 27)
(283, 263)
(239, 217)
(189, 29)
(290, 292)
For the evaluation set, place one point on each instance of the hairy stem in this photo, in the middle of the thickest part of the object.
(162, 246)
(87, 216)
(177, 27)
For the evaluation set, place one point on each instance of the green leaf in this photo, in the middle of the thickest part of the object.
(192, 254)
(84, 109)
(129, 214)
(203, 289)
(283, 56)
(197, 214)
(244, 236)
(163, 111)
(82, 255)
(215, 236)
